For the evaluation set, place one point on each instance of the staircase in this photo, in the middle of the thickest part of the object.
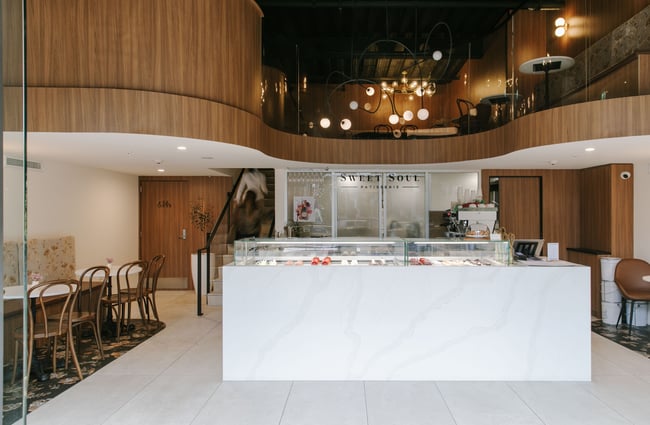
(224, 251)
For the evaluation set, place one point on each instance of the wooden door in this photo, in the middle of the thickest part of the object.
(520, 206)
(164, 226)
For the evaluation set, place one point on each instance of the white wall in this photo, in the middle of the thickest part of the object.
(642, 210)
(99, 208)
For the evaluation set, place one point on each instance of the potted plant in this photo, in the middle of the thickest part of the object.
(202, 219)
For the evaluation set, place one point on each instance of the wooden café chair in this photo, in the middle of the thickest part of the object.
(87, 306)
(44, 324)
(126, 289)
(151, 285)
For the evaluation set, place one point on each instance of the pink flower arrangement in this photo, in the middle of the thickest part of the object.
(109, 260)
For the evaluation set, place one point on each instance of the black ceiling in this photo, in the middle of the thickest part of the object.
(339, 39)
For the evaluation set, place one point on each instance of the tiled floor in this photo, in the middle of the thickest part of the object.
(175, 378)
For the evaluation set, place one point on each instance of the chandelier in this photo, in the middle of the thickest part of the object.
(410, 87)
(418, 86)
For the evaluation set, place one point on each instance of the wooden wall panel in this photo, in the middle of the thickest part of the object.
(560, 206)
(213, 191)
(526, 42)
(12, 42)
(644, 74)
(592, 261)
(607, 208)
(146, 45)
(622, 213)
(595, 200)
(520, 206)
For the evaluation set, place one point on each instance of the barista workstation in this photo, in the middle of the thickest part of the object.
(400, 309)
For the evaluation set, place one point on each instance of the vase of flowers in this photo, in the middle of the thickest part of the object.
(35, 278)
(201, 216)
(109, 262)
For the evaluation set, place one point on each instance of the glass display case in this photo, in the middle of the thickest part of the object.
(458, 252)
(371, 252)
(320, 251)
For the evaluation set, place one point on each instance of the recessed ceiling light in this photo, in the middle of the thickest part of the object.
(181, 148)
(161, 170)
(590, 149)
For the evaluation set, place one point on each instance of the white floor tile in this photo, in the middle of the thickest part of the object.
(566, 403)
(90, 402)
(489, 403)
(391, 403)
(206, 352)
(250, 403)
(151, 357)
(325, 403)
(167, 400)
(627, 395)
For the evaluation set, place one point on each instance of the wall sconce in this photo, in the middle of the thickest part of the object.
(561, 27)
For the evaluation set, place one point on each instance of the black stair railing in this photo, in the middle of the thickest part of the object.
(225, 212)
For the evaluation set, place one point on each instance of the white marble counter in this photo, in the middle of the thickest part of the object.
(406, 323)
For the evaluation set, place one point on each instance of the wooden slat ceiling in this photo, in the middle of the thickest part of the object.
(322, 39)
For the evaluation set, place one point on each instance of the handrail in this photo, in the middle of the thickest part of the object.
(209, 237)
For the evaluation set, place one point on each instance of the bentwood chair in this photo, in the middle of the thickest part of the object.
(44, 297)
(628, 276)
(127, 289)
(88, 303)
(473, 118)
(151, 285)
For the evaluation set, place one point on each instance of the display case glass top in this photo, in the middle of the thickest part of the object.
(370, 252)
(320, 251)
(458, 252)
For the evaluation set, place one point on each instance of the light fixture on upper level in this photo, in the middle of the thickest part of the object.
(561, 27)
(413, 83)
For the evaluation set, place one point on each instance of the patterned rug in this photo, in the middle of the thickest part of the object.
(638, 340)
(41, 392)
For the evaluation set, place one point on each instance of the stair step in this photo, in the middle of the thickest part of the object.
(228, 258)
(217, 286)
(215, 299)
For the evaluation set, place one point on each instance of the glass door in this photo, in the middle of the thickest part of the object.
(358, 204)
(405, 205)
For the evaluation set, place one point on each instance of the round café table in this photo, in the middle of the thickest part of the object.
(18, 292)
(546, 65)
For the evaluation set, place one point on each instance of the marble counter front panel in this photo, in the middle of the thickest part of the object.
(406, 323)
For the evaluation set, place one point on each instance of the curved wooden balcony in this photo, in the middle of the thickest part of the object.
(143, 112)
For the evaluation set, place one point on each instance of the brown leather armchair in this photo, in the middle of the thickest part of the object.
(629, 279)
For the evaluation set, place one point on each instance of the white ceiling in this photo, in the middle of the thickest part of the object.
(142, 155)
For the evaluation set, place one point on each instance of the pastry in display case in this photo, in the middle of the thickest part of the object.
(444, 252)
(320, 252)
